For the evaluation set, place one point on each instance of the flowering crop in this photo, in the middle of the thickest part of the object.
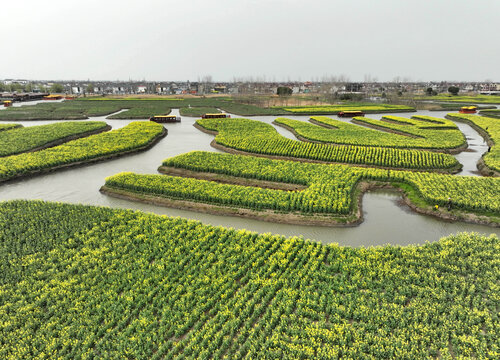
(256, 137)
(81, 282)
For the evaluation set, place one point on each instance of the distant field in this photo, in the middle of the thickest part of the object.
(197, 111)
(478, 99)
(334, 109)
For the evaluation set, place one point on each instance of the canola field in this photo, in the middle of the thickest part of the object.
(86, 282)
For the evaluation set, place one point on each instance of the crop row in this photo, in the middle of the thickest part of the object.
(22, 139)
(330, 188)
(409, 133)
(86, 282)
(4, 127)
(259, 138)
(490, 129)
(334, 109)
(135, 108)
(134, 136)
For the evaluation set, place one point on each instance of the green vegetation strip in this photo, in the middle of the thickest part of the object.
(197, 111)
(491, 113)
(394, 132)
(133, 137)
(4, 127)
(330, 196)
(262, 139)
(477, 99)
(32, 138)
(66, 110)
(81, 282)
(489, 128)
(334, 109)
(135, 108)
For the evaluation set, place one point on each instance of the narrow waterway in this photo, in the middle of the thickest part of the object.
(387, 220)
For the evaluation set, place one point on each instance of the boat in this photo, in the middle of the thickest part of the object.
(215, 116)
(468, 110)
(351, 113)
(165, 118)
(7, 103)
(53, 97)
(69, 97)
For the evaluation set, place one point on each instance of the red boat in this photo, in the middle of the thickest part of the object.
(352, 113)
(7, 103)
(165, 119)
(215, 116)
(468, 110)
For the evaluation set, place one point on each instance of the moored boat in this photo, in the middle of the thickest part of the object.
(165, 118)
(7, 103)
(215, 116)
(351, 113)
(468, 110)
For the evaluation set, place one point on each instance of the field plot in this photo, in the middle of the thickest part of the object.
(22, 139)
(489, 128)
(66, 110)
(261, 139)
(331, 193)
(391, 131)
(134, 137)
(4, 127)
(334, 109)
(197, 111)
(86, 282)
(490, 113)
(477, 99)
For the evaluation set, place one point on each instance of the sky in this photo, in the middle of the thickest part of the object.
(271, 40)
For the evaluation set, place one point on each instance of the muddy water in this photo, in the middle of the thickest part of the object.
(387, 221)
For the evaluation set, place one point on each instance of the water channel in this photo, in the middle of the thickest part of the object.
(386, 219)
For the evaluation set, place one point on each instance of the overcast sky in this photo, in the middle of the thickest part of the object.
(416, 40)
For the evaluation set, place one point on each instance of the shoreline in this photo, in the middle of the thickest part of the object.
(354, 218)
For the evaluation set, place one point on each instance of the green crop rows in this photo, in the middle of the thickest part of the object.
(330, 188)
(134, 136)
(4, 127)
(260, 138)
(417, 132)
(334, 109)
(491, 113)
(489, 128)
(23, 139)
(80, 282)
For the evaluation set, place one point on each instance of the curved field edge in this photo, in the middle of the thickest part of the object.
(453, 167)
(489, 164)
(51, 141)
(303, 137)
(99, 282)
(409, 193)
(132, 138)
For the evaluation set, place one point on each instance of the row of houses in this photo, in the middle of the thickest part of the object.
(83, 88)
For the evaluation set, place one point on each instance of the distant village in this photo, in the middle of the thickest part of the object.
(364, 89)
